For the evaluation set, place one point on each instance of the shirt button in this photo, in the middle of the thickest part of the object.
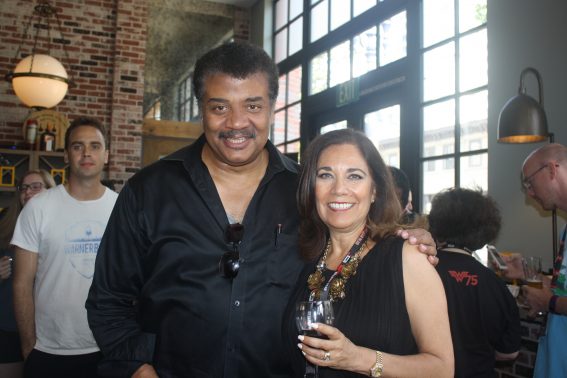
(237, 303)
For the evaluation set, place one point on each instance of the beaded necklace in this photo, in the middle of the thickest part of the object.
(335, 286)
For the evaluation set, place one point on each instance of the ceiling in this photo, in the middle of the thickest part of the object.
(236, 3)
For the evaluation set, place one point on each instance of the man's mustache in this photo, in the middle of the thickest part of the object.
(245, 133)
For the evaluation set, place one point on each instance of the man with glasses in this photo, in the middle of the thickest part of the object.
(56, 239)
(200, 254)
(545, 180)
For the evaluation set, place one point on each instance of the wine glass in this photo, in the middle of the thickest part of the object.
(309, 312)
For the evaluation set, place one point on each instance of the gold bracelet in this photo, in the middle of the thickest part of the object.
(378, 367)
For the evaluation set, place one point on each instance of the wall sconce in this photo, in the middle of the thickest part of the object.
(39, 80)
(522, 120)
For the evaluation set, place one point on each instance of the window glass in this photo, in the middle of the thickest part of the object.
(295, 8)
(340, 13)
(293, 147)
(438, 21)
(278, 134)
(436, 178)
(473, 61)
(393, 39)
(383, 128)
(293, 121)
(439, 72)
(319, 21)
(473, 171)
(340, 64)
(333, 126)
(281, 46)
(281, 13)
(472, 13)
(364, 52)
(296, 36)
(448, 149)
(195, 107)
(281, 100)
(294, 89)
(438, 126)
(318, 70)
(360, 6)
(473, 121)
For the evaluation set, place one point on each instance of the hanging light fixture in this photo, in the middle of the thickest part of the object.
(522, 119)
(39, 80)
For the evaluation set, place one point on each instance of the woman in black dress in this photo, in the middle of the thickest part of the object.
(390, 308)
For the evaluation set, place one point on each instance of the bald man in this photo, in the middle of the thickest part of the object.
(544, 177)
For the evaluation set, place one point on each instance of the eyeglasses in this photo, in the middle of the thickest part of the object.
(34, 187)
(527, 182)
(229, 263)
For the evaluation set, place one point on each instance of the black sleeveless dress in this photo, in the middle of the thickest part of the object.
(373, 314)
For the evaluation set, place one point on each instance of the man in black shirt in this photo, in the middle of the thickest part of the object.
(200, 253)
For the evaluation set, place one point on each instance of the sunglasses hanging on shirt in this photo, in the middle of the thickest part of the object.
(229, 263)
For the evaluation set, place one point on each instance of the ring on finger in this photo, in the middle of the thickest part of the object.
(327, 356)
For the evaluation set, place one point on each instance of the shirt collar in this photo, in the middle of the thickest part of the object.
(190, 155)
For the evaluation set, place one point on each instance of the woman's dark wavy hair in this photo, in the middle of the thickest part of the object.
(384, 212)
(464, 217)
(238, 60)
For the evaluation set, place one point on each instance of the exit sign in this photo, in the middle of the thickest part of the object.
(348, 92)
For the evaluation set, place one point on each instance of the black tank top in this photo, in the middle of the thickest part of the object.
(373, 314)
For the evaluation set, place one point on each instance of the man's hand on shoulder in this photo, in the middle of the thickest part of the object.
(145, 371)
(424, 242)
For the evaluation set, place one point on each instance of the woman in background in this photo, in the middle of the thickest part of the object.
(390, 310)
(485, 323)
(31, 184)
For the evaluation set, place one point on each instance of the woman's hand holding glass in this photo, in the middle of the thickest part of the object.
(335, 350)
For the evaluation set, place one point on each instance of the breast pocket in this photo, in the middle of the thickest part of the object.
(285, 264)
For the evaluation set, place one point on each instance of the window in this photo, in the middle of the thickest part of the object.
(454, 95)
(383, 128)
(288, 28)
(358, 55)
(187, 105)
(333, 126)
(286, 128)
(154, 112)
(427, 115)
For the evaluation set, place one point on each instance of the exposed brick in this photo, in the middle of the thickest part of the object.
(94, 33)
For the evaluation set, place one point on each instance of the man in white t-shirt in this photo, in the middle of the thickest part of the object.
(56, 239)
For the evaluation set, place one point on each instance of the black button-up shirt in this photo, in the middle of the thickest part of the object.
(157, 295)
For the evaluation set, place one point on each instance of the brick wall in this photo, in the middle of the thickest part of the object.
(106, 45)
(106, 42)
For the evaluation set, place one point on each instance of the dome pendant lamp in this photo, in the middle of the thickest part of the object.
(40, 80)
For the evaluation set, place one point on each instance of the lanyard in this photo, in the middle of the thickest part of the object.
(355, 247)
(558, 260)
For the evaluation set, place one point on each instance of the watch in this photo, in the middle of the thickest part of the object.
(376, 369)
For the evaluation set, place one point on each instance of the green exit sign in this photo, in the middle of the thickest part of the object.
(348, 92)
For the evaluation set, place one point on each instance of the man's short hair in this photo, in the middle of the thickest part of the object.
(402, 184)
(84, 121)
(236, 59)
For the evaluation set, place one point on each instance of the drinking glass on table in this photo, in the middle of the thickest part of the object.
(532, 272)
(309, 312)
